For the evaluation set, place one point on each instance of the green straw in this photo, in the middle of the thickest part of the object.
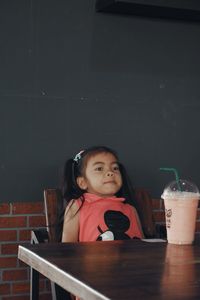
(176, 175)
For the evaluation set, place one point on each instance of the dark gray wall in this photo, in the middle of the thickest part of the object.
(71, 78)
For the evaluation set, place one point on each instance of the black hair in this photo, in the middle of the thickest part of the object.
(74, 167)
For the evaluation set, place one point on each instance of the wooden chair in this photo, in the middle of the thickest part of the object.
(145, 211)
(53, 202)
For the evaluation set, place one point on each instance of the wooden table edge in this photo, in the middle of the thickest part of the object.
(73, 285)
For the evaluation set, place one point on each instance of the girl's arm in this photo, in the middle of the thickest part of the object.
(71, 223)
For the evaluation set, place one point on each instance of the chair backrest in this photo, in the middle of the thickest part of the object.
(145, 211)
(53, 202)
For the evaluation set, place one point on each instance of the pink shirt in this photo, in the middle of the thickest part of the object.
(107, 219)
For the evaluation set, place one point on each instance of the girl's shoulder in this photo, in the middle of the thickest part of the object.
(72, 207)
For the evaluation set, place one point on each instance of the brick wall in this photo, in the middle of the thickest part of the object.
(16, 222)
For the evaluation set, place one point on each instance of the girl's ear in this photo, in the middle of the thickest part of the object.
(81, 183)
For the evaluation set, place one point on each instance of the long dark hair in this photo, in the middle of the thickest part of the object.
(74, 167)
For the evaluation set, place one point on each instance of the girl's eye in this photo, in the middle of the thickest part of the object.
(116, 168)
(99, 169)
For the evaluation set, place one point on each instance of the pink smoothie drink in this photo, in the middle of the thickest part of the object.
(180, 214)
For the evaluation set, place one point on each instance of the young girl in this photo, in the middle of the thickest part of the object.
(98, 198)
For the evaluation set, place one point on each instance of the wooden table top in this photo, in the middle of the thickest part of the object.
(119, 270)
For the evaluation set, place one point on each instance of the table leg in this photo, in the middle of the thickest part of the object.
(34, 286)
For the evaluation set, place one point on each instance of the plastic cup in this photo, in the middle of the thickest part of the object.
(181, 202)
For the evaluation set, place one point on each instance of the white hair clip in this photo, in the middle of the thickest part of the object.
(78, 156)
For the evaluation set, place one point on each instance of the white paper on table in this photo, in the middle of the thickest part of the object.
(153, 240)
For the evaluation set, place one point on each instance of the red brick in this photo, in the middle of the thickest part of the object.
(9, 249)
(37, 221)
(8, 235)
(162, 205)
(156, 203)
(12, 222)
(4, 289)
(4, 208)
(8, 262)
(159, 216)
(16, 298)
(21, 288)
(25, 235)
(15, 274)
(46, 297)
(22, 264)
(198, 226)
(28, 208)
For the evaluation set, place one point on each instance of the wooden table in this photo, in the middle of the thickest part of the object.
(119, 270)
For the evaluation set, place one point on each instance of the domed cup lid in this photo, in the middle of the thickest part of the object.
(183, 189)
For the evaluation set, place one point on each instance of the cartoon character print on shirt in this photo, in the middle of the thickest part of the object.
(117, 223)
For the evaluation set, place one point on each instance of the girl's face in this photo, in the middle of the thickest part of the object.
(102, 176)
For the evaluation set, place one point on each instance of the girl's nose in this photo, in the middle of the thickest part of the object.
(109, 173)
